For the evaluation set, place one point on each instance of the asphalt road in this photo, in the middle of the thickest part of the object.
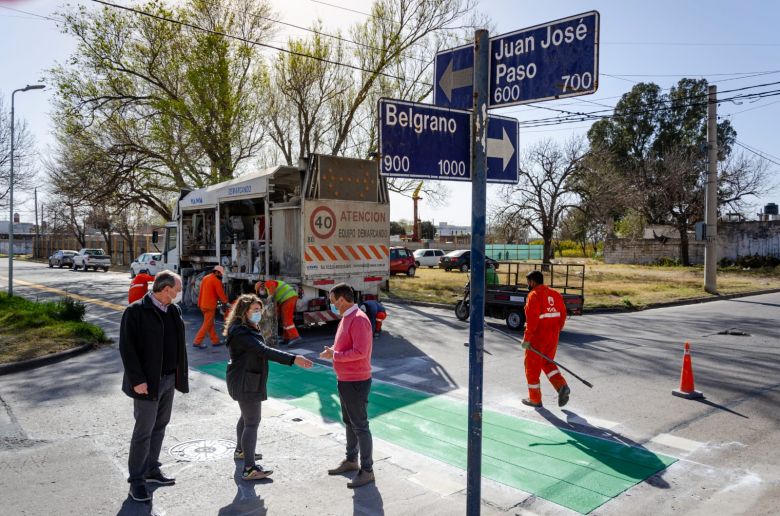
(728, 444)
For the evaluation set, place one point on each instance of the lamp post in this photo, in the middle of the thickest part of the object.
(11, 192)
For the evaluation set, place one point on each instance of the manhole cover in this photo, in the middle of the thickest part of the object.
(202, 450)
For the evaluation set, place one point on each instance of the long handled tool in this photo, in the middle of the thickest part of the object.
(586, 382)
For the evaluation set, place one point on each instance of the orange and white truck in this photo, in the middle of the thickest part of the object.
(313, 226)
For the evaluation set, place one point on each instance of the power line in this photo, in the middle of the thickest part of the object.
(252, 42)
(29, 12)
(758, 152)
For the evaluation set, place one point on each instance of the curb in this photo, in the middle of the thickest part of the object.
(616, 309)
(33, 363)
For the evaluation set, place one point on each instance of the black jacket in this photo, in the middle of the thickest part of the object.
(247, 371)
(141, 347)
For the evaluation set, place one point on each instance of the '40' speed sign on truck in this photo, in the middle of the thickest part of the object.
(346, 238)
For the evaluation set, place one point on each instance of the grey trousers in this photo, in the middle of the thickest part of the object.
(151, 418)
(246, 430)
(354, 412)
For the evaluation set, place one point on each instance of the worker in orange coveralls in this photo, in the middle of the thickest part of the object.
(545, 315)
(285, 296)
(211, 292)
(139, 286)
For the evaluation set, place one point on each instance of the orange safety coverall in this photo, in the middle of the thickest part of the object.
(545, 315)
(138, 287)
(211, 291)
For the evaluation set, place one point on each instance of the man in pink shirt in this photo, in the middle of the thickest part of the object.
(351, 355)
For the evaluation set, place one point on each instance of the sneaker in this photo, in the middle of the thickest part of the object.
(159, 478)
(139, 493)
(255, 473)
(563, 395)
(361, 479)
(239, 455)
(344, 467)
(527, 401)
(198, 346)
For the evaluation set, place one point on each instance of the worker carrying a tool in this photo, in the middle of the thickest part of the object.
(211, 292)
(139, 286)
(545, 315)
(285, 297)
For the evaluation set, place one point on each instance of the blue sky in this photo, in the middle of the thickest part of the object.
(658, 41)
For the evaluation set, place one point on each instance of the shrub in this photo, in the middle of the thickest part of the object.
(71, 310)
(667, 262)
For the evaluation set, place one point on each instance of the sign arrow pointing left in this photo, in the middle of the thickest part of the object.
(454, 79)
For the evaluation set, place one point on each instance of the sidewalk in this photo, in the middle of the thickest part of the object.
(65, 429)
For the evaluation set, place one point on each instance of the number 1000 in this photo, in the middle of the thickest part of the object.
(452, 168)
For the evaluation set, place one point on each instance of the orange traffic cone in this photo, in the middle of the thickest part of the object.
(687, 389)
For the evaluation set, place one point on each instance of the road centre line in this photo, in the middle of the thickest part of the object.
(91, 300)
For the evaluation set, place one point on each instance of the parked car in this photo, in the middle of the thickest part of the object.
(461, 260)
(62, 258)
(427, 257)
(91, 258)
(149, 261)
(402, 261)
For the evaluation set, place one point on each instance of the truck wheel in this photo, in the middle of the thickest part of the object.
(417, 264)
(75, 267)
(464, 268)
(50, 265)
(60, 265)
(411, 272)
(462, 310)
(515, 320)
(105, 269)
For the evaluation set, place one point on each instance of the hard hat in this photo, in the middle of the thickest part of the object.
(219, 269)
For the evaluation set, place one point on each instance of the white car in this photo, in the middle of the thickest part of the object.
(428, 257)
(150, 261)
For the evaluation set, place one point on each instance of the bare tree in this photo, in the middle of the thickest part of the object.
(24, 155)
(545, 191)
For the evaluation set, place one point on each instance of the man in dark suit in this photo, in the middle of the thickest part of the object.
(154, 354)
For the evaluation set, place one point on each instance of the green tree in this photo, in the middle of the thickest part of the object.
(656, 143)
(427, 230)
(165, 103)
(396, 228)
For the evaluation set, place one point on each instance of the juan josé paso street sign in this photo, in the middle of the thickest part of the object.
(429, 142)
(553, 60)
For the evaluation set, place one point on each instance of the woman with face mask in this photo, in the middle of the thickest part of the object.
(247, 375)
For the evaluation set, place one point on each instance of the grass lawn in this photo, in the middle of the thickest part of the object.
(606, 286)
(29, 329)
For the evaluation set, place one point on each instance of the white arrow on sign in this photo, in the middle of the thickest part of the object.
(502, 148)
(451, 80)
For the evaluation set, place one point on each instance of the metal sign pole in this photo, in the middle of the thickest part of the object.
(477, 316)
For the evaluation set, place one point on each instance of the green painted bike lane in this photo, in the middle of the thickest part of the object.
(574, 470)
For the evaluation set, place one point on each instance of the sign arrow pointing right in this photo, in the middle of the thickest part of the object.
(453, 79)
(502, 148)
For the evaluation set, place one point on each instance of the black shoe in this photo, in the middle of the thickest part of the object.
(563, 395)
(139, 493)
(527, 401)
(159, 478)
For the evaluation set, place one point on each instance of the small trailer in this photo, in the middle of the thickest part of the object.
(505, 297)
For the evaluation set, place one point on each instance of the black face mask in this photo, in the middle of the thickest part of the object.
(219, 276)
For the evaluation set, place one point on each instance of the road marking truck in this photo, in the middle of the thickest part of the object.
(324, 222)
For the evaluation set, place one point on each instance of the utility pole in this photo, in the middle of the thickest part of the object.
(711, 204)
(37, 233)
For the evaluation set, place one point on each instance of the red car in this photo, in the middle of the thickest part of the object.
(402, 261)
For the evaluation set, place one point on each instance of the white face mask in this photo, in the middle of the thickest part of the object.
(177, 299)
(255, 317)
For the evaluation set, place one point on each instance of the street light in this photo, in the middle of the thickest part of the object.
(11, 196)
